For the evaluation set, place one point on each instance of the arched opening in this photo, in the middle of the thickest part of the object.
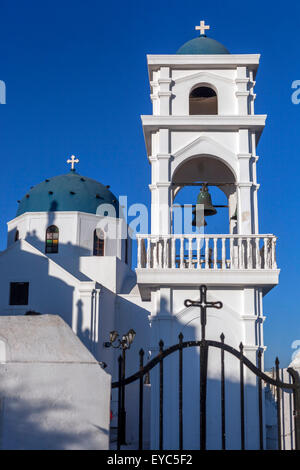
(187, 182)
(203, 100)
(204, 201)
(52, 237)
(17, 235)
(98, 249)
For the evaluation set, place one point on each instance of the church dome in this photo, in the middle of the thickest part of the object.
(202, 45)
(69, 192)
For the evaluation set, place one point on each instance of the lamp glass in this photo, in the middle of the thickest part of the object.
(131, 335)
(113, 336)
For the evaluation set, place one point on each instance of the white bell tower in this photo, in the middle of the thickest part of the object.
(204, 130)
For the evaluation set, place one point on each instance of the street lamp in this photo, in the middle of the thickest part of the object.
(123, 344)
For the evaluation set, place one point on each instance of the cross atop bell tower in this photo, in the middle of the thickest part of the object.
(202, 28)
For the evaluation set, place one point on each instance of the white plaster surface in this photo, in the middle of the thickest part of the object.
(53, 393)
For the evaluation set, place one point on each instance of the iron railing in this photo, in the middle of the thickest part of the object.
(204, 346)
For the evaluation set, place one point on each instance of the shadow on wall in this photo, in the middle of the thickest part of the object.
(44, 289)
(68, 254)
(48, 412)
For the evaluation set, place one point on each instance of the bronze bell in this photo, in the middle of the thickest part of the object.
(199, 221)
(234, 217)
(203, 198)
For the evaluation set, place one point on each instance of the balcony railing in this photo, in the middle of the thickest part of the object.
(207, 252)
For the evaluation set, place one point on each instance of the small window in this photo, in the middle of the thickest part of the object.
(18, 294)
(203, 100)
(52, 235)
(98, 242)
(17, 235)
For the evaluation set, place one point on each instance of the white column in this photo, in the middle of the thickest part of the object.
(242, 92)
(164, 94)
(253, 163)
(161, 185)
(245, 185)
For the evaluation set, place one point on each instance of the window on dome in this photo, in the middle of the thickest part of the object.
(52, 236)
(98, 242)
(17, 235)
(203, 100)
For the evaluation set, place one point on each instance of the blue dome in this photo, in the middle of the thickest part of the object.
(69, 192)
(202, 45)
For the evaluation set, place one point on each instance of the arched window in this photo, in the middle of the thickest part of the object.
(17, 235)
(52, 235)
(98, 242)
(203, 100)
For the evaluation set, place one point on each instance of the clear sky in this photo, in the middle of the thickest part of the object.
(77, 82)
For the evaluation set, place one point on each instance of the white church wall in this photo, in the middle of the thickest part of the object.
(109, 271)
(76, 232)
(52, 290)
(53, 393)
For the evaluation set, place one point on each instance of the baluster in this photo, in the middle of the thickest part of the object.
(266, 252)
(181, 252)
(257, 254)
(139, 252)
(155, 252)
(231, 253)
(240, 253)
(165, 260)
(190, 252)
(199, 253)
(173, 252)
(223, 254)
(215, 253)
(148, 265)
(249, 254)
(160, 254)
(274, 264)
(206, 253)
(141, 400)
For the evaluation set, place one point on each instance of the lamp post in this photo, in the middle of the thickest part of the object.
(123, 344)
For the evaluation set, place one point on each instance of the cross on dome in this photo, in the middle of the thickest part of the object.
(73, 160)
(202, 28)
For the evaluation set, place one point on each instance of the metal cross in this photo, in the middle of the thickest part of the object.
(202, 28)
(203, 304)
(73, 160)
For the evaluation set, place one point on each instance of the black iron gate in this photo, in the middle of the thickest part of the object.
(204, 346)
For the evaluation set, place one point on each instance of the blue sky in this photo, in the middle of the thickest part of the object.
(77, 82)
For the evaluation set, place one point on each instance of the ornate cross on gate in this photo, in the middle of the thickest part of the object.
(73, 160)
(203, 304)
(202, 28)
